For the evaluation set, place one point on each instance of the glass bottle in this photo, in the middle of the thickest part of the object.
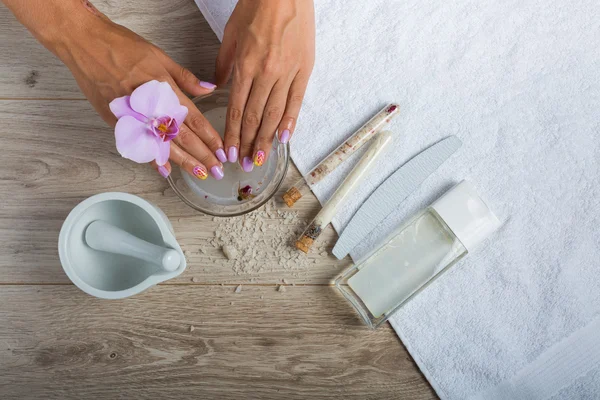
(417, 253)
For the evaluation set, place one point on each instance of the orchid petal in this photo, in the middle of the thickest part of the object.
(179, 115)
(164, 151)
(121, 106)
(135, 141)
(155, 99)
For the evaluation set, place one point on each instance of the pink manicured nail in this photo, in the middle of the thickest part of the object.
(232, 154)
(207, 85)
(217, 172)
(285, 136)
(163, 171)
(247, 164)
(221, 155)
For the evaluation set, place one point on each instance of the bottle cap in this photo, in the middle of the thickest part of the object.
(466, 214)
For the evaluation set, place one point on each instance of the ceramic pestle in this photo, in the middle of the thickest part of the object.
(103, 236)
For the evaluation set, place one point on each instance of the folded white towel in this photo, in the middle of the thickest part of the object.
(519, 83)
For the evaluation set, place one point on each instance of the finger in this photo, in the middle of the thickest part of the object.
(186, 80)
(292, 110)
(240, 90)
(187, 141)
(225, 58)
(188, 163)
(273, 112)
(164, 170)
(253, 114)
(200, 126)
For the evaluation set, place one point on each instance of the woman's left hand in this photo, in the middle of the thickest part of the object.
(269, 47)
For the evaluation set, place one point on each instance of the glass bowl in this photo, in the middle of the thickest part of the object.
(221, 198)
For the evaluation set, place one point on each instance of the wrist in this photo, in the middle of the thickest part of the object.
(74, 23)
(57, 24)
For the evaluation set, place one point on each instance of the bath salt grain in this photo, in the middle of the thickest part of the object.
(281, 288)
(238, 289)
(192, 328)
(230, 252)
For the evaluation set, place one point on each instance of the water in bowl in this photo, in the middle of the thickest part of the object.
(237, 186)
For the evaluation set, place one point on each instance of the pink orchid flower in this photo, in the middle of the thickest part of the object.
(148, 120)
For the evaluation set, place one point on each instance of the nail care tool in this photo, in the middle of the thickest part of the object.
(354, 178)
(341, 154)
(115, 245)
(392, 192)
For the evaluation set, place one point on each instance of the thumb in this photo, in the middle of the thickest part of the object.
(225, 59)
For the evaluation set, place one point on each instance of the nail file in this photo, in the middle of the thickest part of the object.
(392, 192)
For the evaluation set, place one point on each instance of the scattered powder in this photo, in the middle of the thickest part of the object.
(192, 328)
(258, 245)
(238, 289)
(281, 288)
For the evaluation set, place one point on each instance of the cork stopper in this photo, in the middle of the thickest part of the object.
(291, 196)
(304, 243)
(308, 237)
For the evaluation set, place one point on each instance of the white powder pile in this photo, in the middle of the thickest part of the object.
(262, 241)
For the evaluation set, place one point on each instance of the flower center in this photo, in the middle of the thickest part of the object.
(165, 128)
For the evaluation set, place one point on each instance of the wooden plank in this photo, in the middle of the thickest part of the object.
(57, 153)
(57, 343)
(30, 71)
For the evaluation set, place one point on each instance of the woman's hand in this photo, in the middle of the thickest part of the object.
(110, 61)
(268, 45)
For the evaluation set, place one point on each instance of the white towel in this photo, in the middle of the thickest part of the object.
(519, 82)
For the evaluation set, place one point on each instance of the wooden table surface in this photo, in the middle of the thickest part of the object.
(57, 342)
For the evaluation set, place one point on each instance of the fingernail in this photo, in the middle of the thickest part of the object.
(259, 158)
(207, 85)
(221, 155)
(163, 171)
(232, 154)
(247, 164)
(285, 136)
(217, 172)
(200, 172)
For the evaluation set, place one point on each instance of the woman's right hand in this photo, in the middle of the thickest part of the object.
(110, 61)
